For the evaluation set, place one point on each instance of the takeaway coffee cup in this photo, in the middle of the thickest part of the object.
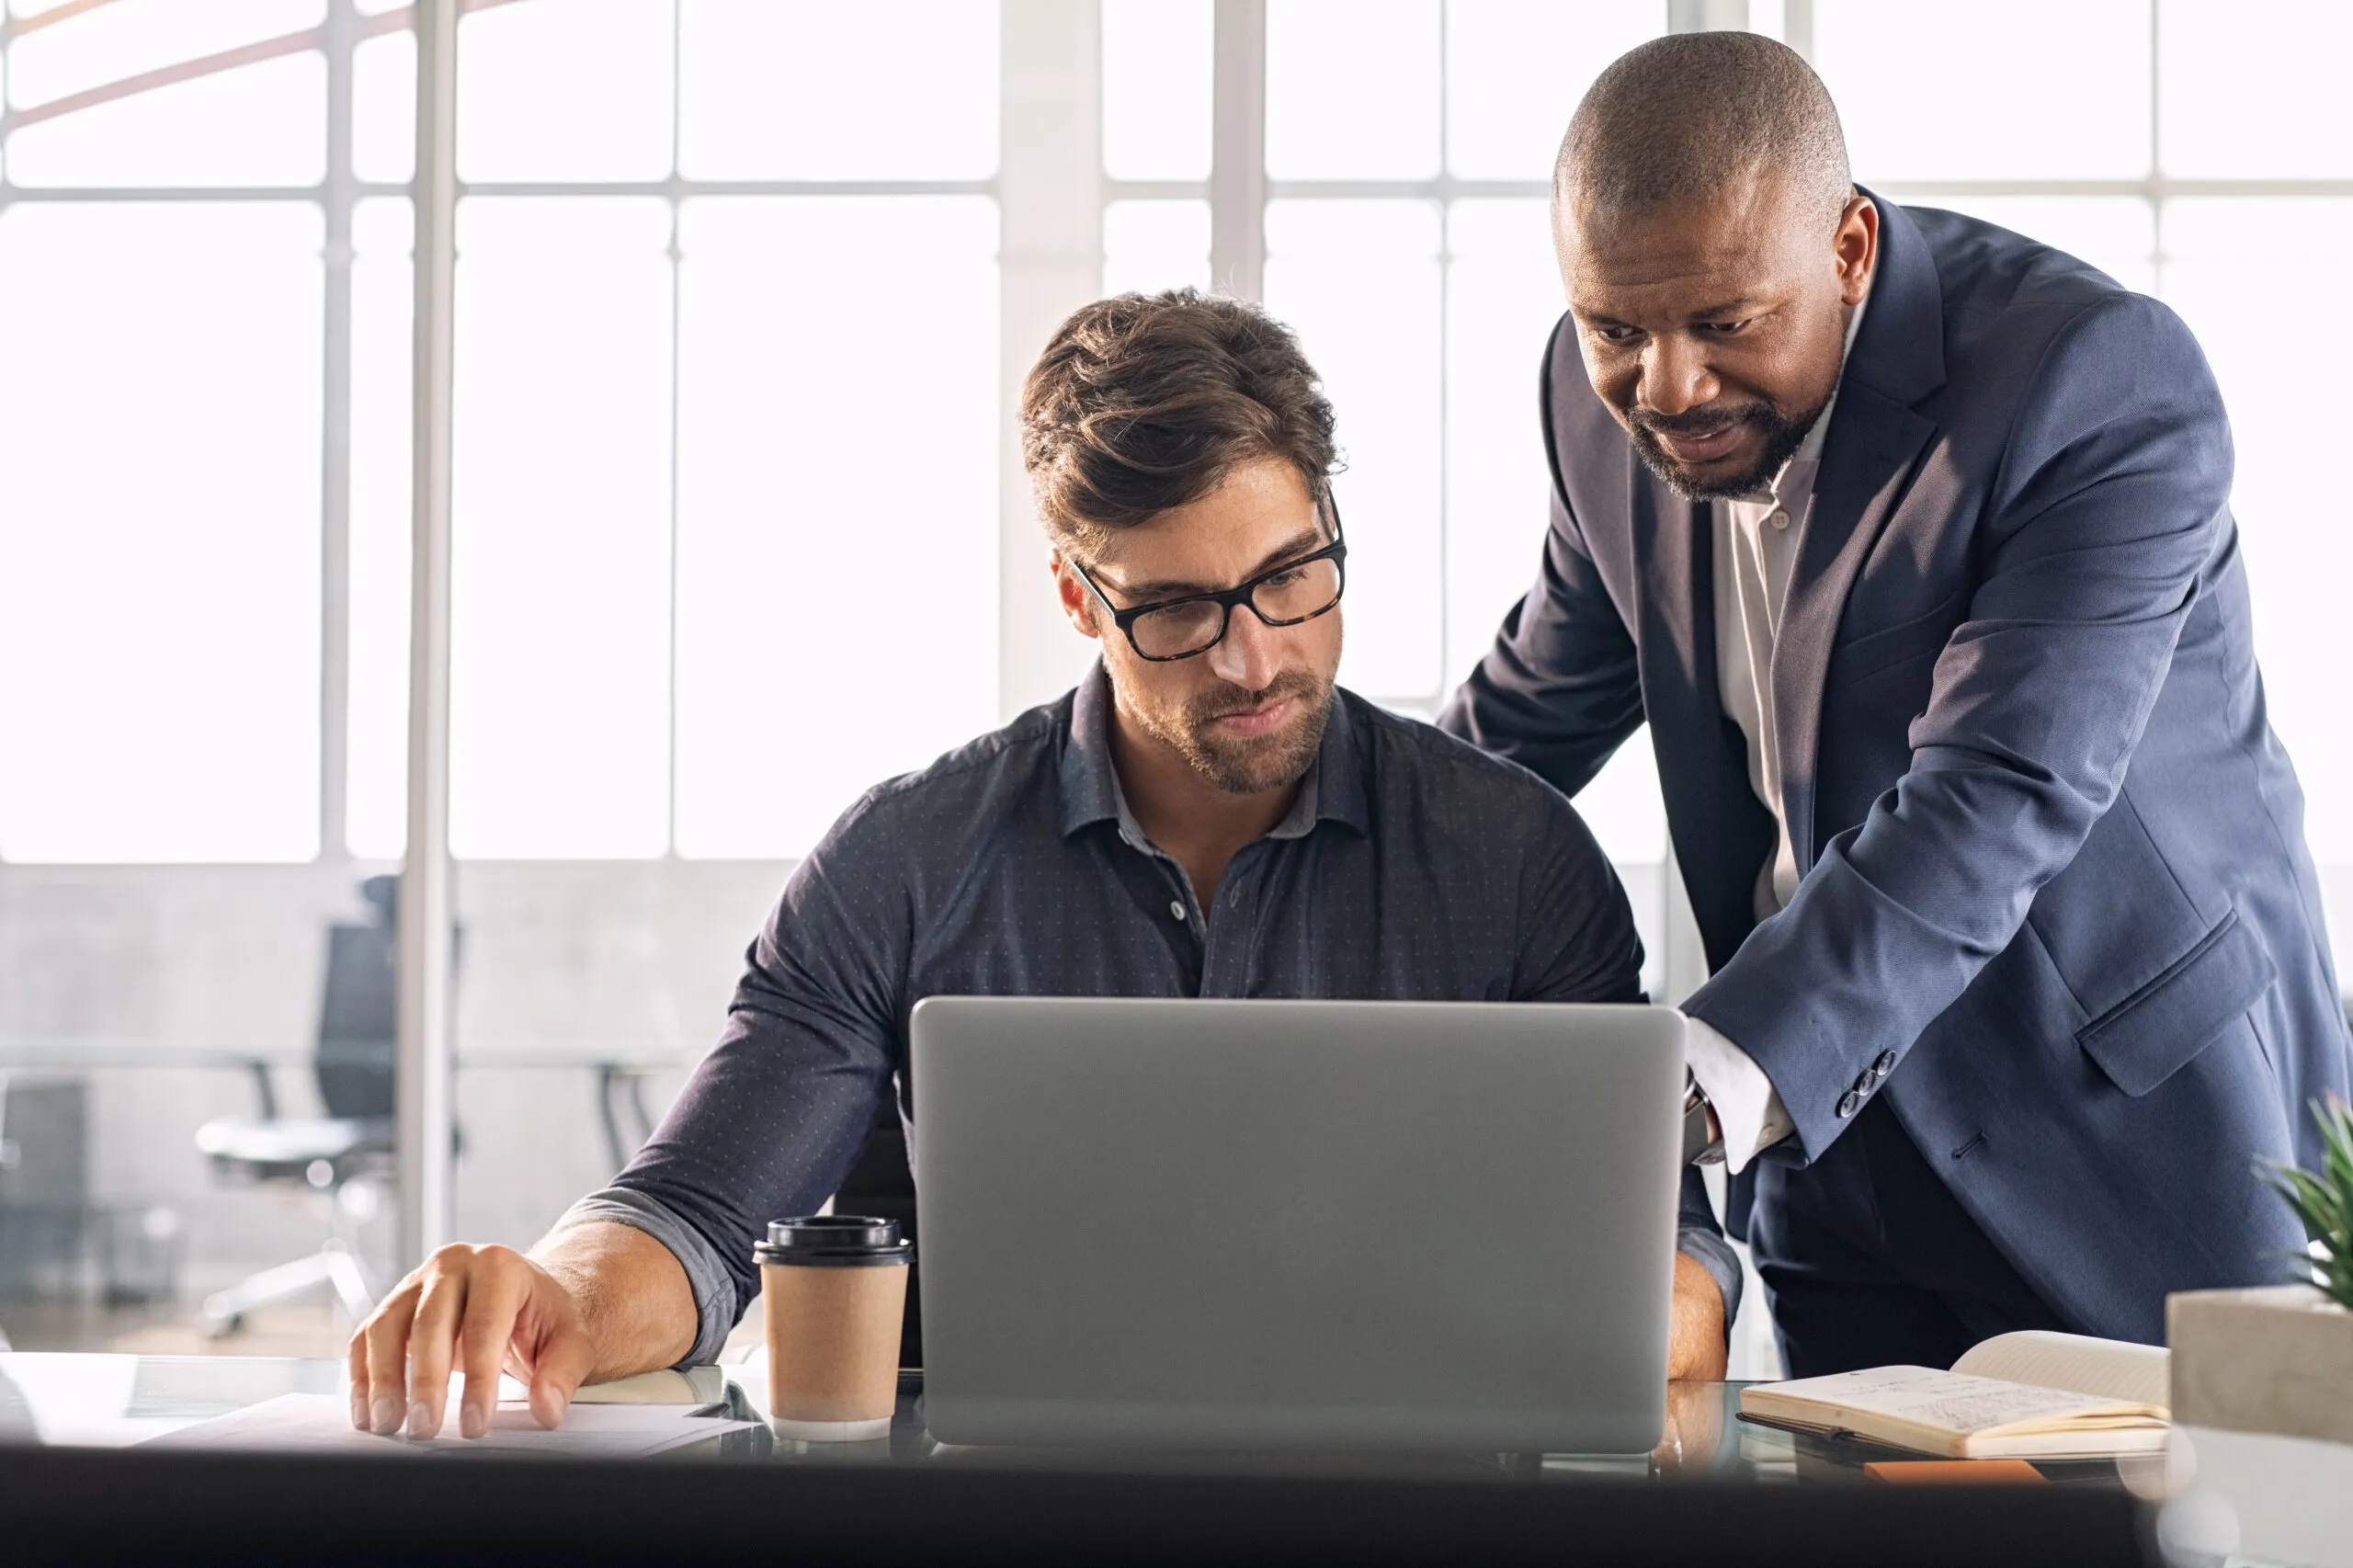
(835, 1288)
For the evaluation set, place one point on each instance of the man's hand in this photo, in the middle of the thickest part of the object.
(1696, 1342)
(592, 1302)
(480, 1307)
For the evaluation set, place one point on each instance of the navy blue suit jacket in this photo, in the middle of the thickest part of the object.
(2051, 855)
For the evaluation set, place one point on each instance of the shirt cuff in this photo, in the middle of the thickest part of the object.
(1748, 1108)
(706, 1276)
(1714, 1254)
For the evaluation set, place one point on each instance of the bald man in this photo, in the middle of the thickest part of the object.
(1910, 539)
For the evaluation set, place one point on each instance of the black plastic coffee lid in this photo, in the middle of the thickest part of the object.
(833, 1241)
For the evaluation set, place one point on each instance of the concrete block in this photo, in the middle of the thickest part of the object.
(2277, 1361)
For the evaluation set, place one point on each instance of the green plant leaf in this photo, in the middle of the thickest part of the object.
(2322, 1202)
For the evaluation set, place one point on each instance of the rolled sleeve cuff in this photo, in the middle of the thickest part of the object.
(715, 1306)
(1748, 1107)
(1714, 1254)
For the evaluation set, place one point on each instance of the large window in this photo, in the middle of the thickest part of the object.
(720, 261)
(729, 413)
(160, 394)
(696, 576)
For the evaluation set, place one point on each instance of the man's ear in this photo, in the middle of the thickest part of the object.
(1857, 247)
(1077, 603)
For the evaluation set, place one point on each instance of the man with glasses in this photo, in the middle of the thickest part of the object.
(1206, 815)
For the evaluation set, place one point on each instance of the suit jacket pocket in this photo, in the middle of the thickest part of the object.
(2152, 1034)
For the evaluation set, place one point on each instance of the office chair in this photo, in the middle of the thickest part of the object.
(345, 1155)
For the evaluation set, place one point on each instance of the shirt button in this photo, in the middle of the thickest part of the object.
(1176, 907)
(1777, 518)
(1849, 1104)
(1885, 1066)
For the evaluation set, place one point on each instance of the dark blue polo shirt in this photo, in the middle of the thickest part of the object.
(1411, 866)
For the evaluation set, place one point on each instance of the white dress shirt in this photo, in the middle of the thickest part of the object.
(1755, 549)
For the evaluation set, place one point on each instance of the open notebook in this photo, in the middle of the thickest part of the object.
(2032, 1395)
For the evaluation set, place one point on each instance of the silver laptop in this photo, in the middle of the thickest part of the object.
(1349, 1224)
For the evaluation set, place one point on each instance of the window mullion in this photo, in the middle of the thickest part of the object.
(1050, 262)
(677, 281)
(1238, 150)
(338, 196)
(428, 901)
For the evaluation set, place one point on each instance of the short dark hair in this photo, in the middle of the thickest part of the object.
(1145, 402)
(1679, 119)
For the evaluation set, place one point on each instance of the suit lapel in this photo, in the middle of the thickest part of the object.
(1865, 464)
(1676, 557)
(1875, 438)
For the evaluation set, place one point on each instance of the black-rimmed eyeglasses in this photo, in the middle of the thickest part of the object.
(1294, 592)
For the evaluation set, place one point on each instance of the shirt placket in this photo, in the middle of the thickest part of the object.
(1176, 907)
(1227, 964)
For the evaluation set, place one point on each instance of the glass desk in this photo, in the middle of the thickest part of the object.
(1718, 1489)
(116, 1400)
(75, 1481)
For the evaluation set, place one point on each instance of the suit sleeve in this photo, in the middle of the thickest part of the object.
(2103, 513)
(1560, 689)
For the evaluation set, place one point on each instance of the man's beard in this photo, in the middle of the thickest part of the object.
(1783, 436)
(1247, 765)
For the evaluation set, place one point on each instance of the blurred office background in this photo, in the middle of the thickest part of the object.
(744, 290)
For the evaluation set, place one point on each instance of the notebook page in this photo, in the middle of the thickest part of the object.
(1920, 1396)
(2109, 1369)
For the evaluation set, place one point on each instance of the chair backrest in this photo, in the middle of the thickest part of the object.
(359, 1007)
(357, 1022)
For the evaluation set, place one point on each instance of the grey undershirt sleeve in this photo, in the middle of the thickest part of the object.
(715, 1306)
(1712, 1253)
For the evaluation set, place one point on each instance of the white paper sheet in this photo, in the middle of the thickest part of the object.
(2106, 1368)
(319, 1422)
(698, 1386)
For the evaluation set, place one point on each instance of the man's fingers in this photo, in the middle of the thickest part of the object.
(432, 1336)
(386, 1336)
(358, 1377)
(562, 1365)
(489, 1327)
(479, 1308)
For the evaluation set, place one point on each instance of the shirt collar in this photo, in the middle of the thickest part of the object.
(1332, 790)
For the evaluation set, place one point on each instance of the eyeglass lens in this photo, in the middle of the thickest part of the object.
(1295, 595)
